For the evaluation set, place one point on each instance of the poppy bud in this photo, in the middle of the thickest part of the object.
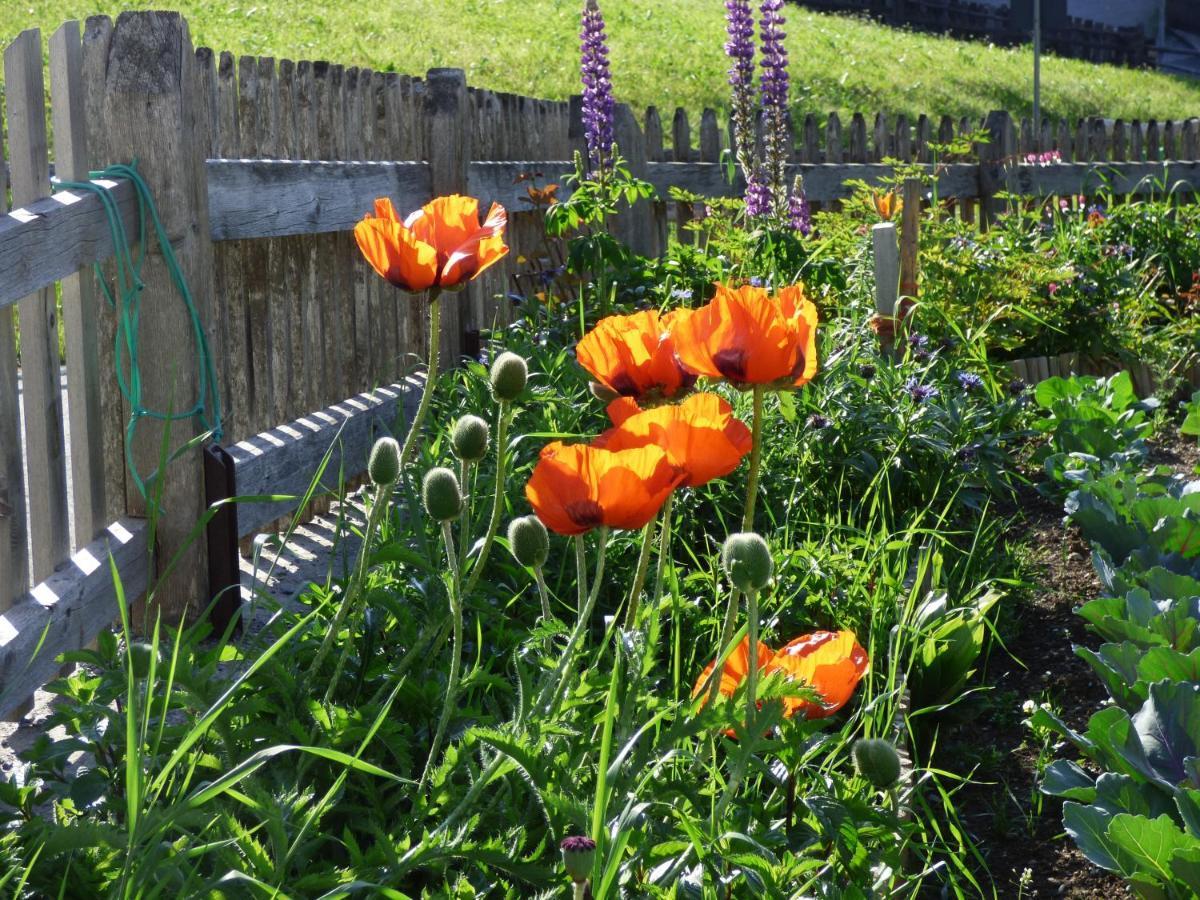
(384, 464)
(140, 655)
(877, 761)
(440, 491)
(529, 541)
(578, 855)
(469, 438)
(747, 560)
(508, 375)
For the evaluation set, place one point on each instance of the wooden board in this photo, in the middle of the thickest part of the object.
(284, 460)
(1065, 179)
(68, 609)
(52, 237)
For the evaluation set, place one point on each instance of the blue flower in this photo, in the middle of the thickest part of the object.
(920, 392)
(969, 381)
(681, 294)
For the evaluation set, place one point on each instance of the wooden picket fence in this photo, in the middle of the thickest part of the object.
(260, 169)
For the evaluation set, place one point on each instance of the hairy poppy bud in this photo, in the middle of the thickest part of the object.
(747, 560)
(384, 465)
(140, 655)
(877, 761)
(508, 375)
(529, 541)
(578, 855)
(442, 496)
(469, 438)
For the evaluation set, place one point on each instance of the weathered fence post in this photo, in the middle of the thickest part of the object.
(910, 235)
(991, 166)
(449, 134)
(150, 114)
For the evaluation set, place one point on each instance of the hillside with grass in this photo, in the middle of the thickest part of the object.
(665, 52)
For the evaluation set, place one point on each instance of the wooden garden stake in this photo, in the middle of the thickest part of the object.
(910, 233)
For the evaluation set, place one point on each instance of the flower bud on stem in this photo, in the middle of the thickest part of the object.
(551, 696)
(503, 418)
(755, 459)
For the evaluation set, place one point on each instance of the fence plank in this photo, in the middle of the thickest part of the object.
(97, 36)
(80, 302)
(833, 139)
(294, 269)
(310, 257)
(858, 139)
(655, 153)
(285, 459)
(45, 444)
(253, 92)
(149, 107)
(681, 142)
(14, 565)
(68, 609)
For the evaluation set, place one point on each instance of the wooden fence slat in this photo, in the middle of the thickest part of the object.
(812, 140)
(149, 112)
(833, 139)
(881, 145)
(14, 564)
(361, 273)
(1170, 135)
(681, 143)
(1137, 147)
(924, 127)
(1117, 152)
(254, 90)
(279, 289)
(903, 140)
(68, 609)
(45, 443)
(310, 257)
(655, 153)
(1066, 145)
(345, 252)
(80, 300)
(97, 37)
(293, 286)
(858, 138)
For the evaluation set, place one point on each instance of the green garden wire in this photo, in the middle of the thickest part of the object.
(126, 302)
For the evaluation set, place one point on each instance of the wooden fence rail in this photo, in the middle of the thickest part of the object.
(260, 168)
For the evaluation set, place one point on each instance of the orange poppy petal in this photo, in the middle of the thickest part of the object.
(736, 668)
(633, 356)
(831, 663)
(385, 210)
(446, 222)
(396, 254)
(471, 258)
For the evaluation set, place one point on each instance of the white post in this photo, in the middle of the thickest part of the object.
(887, 268)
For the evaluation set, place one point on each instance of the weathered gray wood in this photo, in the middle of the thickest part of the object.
(887, 268)
(45, 450)
(310, 279)
(883, 142)
(1118, 141)
(14, 564)
(80, 300)
(231, 300)
(1068, 179)
(681, 142)
(56, 236)
(1137, 148)
(359, 359)
(276, 198)
(450, 150)
(833, 139)
(858, 138)
(1170, 135)
(902, 143)
(149, 107)
(285, 460)
(812, 140)
(253, 93)
(68, 609)
(710, 136)
(924, 136)
(1191, 139)
(991, 167)
(97, 37)
(283, 288)
(910, 235)
(1066, 146)
(655, 152)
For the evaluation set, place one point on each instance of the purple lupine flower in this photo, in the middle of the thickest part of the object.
(739, 28)
(758, 195)
(969, 381)
(818, 422)
(1017, 387)
(598, 103)
(920, 392)
(773, 87)
(799, 216)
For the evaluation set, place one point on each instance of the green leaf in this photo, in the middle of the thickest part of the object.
(1064, 778)
(1148, 843)
(1191, 424)
(1088, 827)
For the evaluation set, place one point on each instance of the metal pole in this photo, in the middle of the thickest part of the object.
(1037, 75)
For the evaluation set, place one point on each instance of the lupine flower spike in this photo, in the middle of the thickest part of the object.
(598, 103)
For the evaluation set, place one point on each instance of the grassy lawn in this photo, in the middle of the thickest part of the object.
(666, 52)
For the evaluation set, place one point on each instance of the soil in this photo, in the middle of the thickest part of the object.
(1015, 828)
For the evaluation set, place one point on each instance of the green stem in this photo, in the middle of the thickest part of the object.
(464, 527)
(752, 671)
(581, 588)
(723, 648)
(456, 612)
(664, 548)
(755, 460)
(414, 428)
(553, 691)
(374, 516)
(503, 416)
(543, 594)
(639, 578)
(579, 890)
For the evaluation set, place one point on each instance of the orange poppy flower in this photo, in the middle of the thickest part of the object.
(736, 668)
(577, 487)
(748, 337)
(829, 662)
(440, 245)
(887, 205)
(634, 356)
(701, 434)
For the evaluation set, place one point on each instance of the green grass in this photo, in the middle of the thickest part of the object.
(665, 52)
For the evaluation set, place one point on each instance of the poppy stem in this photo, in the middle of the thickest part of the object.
(350, 600)
(503, 417)
(464, 530)
(752, 669)
(553, 692)
(414, 428)
(543, 594)
(456, 614)
(755, 460)
(581, 586)
(639, 579)
(714, 680)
